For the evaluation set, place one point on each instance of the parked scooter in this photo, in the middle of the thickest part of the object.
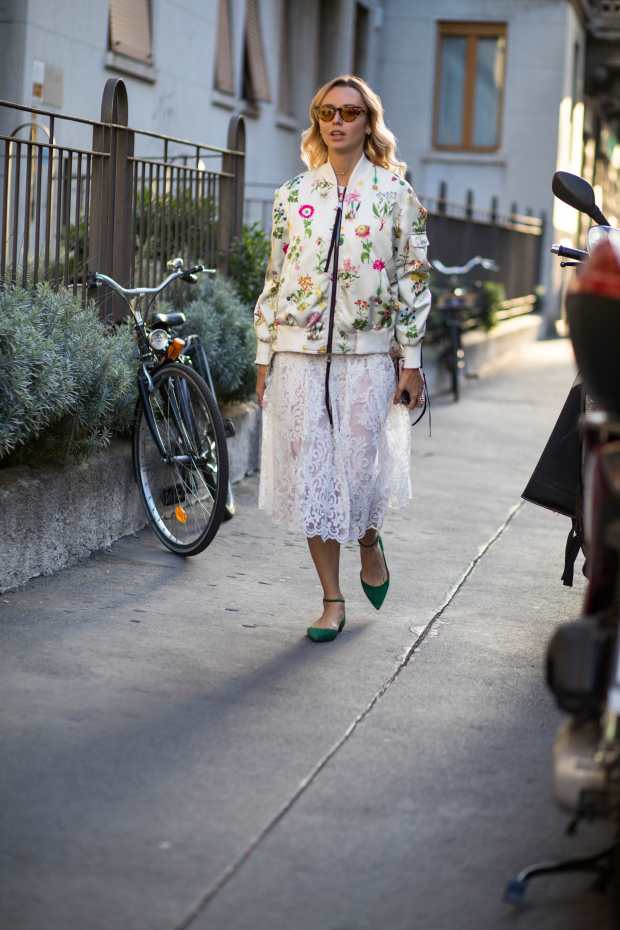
(583, 657)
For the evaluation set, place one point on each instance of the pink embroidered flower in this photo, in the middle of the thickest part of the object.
(306, 210)
(353, 197)
(314, 318)
(378, 264)
(285, 247)
(362, 231)
(347, 265)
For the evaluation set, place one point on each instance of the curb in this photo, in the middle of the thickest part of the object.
(55, 516)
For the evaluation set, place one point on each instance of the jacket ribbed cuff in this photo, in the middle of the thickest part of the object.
(263, 353)
(412, 356)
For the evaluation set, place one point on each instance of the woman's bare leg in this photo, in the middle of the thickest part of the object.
(373, 566)
(326, 558)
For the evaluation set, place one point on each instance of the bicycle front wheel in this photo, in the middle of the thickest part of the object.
(184, 491)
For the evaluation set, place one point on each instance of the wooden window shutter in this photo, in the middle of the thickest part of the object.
(285, 95)
(130, 29)
(224, 71)
(255, 52)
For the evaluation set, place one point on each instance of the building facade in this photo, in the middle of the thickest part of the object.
(487, 97)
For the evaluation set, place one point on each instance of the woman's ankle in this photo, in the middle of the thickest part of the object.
(369, 539)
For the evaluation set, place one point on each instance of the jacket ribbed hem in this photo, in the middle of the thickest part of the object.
(293, 339)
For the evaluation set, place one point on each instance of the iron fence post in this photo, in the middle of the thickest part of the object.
(231, 191)
(111, 234)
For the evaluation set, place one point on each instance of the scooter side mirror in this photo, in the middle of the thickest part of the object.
(577, 193)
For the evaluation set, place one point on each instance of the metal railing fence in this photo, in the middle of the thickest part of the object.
(67, 208)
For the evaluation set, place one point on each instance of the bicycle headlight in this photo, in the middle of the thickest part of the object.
(158, 339)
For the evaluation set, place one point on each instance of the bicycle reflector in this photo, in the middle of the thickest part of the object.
(175, 348)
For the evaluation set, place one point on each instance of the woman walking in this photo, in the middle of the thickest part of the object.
(346, 285)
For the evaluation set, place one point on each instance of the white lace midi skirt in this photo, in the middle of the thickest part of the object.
(333, 483)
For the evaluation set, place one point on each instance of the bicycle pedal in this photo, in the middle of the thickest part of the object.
(175, 494)
(229, 428)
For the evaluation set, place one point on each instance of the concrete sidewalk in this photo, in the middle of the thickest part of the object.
(176, 754)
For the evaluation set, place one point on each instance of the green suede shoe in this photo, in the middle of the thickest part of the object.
(325, 634)
(376, 593)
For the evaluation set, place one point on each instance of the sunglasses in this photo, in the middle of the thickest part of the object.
(348, 113)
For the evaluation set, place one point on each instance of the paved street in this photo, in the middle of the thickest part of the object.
(176, 754)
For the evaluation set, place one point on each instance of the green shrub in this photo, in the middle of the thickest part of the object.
(66, 381)
(248, 262)
(492, 294)
(224, 323)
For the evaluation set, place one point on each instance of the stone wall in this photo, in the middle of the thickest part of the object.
(55, 516)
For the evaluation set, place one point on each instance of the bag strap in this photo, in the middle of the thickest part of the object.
(334, 249)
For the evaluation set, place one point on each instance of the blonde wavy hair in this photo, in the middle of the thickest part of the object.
(380, 143)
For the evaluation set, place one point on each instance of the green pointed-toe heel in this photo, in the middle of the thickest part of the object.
(322, 634)
(376, 593)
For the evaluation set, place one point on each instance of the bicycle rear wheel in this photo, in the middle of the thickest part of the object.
(184, 493)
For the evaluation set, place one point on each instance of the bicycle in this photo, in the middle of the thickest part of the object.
(453, 306)
(180, 459)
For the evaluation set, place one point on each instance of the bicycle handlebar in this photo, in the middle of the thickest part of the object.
(487, 263)
(97, 277)
(565, 252)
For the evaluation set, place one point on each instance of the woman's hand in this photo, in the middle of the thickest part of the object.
(261, 376)
(410, 380)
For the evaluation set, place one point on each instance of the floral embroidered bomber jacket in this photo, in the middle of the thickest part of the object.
(383, 275)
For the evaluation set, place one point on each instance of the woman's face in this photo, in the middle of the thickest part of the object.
(344, 138)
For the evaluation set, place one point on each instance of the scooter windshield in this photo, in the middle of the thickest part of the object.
(597, 233)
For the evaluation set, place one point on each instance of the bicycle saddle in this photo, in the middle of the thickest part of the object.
(176, 318)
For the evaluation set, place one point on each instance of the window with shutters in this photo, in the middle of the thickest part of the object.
(469, 86)
(255, 75)
(130, 29)
(224, 69)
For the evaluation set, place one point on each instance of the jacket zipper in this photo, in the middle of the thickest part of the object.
(334, 248)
